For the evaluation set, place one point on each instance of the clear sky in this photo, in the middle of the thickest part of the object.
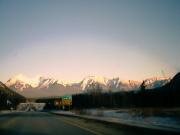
(72, 39)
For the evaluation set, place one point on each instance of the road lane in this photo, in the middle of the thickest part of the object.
(37, 123)
(42, 123)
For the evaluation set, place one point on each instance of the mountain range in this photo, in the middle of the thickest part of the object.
(45, 86)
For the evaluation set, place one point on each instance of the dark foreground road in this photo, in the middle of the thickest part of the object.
(35, 123)
(41, 123)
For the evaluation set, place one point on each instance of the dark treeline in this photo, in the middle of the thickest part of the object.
(50, 103)
(166, 96)
(8, 98)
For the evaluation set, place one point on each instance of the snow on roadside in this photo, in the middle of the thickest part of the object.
(169, 121)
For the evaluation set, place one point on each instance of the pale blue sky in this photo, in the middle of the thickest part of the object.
(71, 39)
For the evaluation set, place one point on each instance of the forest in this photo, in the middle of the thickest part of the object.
(165, 96)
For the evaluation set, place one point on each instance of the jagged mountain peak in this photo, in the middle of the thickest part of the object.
(51, 86)
(96, 78)
(155, 82)
(93, 79)
(22, 79)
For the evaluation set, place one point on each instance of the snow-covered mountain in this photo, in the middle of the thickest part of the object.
(43, 86)
(156, 82)
(114, 84)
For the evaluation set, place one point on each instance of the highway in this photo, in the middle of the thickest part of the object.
(43, 123)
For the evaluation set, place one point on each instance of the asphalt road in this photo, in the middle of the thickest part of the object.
(35, 123)
(42, 123)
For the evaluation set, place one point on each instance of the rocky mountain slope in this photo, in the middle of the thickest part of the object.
(44, 86)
